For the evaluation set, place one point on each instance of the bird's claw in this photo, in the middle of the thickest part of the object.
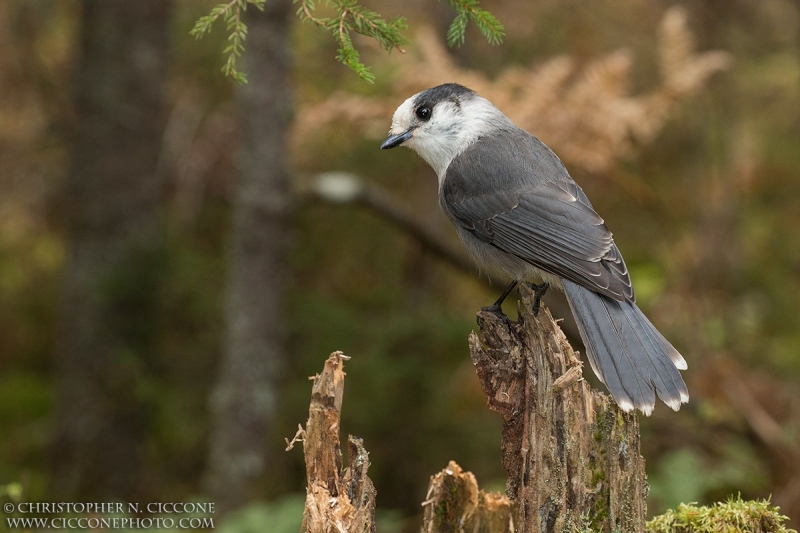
(538, 292)
(497, 311)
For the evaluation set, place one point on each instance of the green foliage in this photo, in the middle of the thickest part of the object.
(487, 24)
(231, 13)
(735, 515)
(350, 17)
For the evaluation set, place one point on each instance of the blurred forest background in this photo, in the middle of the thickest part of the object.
(171, 272)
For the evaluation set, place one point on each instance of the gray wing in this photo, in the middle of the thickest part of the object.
(520, 199)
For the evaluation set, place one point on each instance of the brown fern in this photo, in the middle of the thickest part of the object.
(591, 121)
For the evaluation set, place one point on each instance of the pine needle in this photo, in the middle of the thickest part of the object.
(351, 17)
(231, 13)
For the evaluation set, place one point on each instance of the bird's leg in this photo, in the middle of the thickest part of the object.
(505, 294)
(538, 292)
(496, 307)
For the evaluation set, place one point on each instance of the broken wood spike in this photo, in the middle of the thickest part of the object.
(338, 500)
(455, 505)
(298, 437)
(571, 376)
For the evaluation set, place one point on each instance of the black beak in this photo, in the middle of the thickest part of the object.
(396, 140)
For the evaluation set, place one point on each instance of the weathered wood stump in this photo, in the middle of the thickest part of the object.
(571, 454)
(337, 500)
(455, 504)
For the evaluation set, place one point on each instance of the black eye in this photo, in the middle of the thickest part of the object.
(423, 113)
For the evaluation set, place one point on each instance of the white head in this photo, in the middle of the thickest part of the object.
(439, 123)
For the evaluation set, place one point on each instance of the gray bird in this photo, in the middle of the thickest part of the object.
(517, 210)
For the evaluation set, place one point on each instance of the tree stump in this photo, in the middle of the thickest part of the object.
(571, 454)
(337, 500)
(455, 504)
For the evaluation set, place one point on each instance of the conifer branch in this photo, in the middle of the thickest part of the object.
(350, 17)
(231, 13)
(487, 24)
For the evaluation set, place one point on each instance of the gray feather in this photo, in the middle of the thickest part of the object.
(626, 351)
(517, 210)
(509, 190)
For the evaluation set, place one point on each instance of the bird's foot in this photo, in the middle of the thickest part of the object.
(496, 308)
(538, 292)
(497, 311)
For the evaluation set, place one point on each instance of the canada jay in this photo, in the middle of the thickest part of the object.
(516, 209)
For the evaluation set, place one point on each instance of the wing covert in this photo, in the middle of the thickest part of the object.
(546, 220)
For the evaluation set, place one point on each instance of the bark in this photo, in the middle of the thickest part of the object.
(111, 200)
(337, 499)
(571, 454)
(243, 400)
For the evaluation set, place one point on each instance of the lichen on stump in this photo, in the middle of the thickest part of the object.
(571, 454)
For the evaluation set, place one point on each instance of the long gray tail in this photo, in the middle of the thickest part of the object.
(627, 352)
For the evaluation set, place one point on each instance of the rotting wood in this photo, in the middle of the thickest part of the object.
(455, 505)
(571, 454)
(337, 500)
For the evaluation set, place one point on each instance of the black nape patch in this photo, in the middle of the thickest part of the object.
(449, 91)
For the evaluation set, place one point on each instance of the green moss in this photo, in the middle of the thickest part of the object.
(603, 429)
(441, 513)
(735, 515)
(599, 515)
(598, 476)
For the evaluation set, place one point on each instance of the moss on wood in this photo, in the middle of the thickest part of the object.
(733, 516)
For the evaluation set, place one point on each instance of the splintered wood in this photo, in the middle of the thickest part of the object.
(456, 505)
(571, 454)
(337, 500)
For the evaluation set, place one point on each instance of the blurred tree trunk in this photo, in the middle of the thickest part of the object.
(111, 202)
(243, 401)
